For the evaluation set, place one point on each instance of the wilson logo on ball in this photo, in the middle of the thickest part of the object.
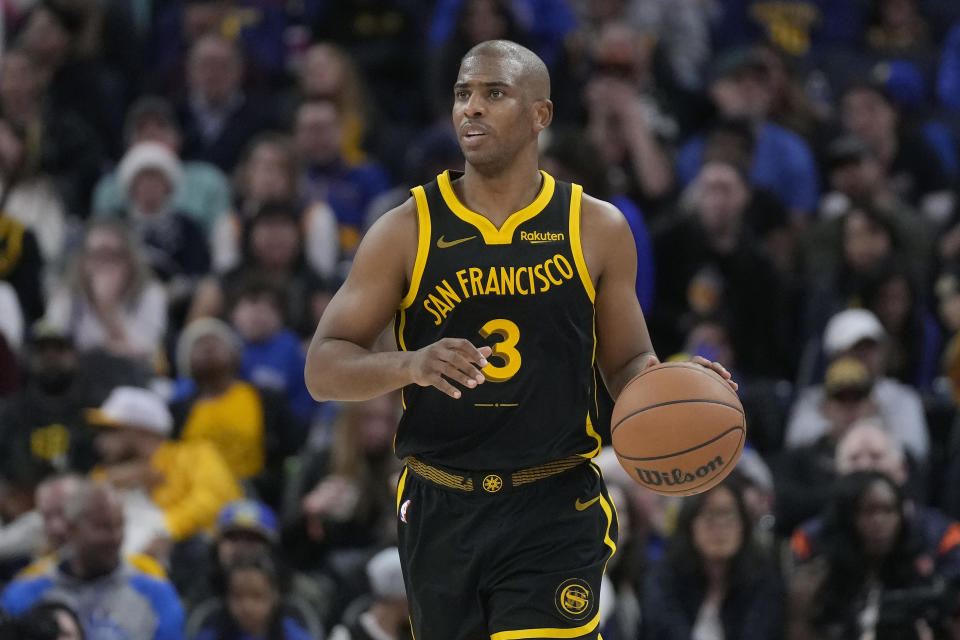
(675, 476)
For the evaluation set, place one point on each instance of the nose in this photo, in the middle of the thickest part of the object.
(474, 107)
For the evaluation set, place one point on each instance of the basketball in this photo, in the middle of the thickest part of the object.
(678, 428)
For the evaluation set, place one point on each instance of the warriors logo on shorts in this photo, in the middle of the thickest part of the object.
(574, 599)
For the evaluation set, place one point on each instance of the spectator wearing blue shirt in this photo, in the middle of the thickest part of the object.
(948, 80)
(782, 161)
(112, 599)
(272, 357)
(328, 177)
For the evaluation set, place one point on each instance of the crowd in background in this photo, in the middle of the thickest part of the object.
(183, 184)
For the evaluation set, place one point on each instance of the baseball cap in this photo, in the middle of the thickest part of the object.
(134, 408)
(847, 378)
(847, 150)
(385, 574)
(847, 328)
(248, 515)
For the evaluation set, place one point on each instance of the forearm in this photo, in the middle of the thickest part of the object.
(617, 380)
(650, 164)
(358, 374)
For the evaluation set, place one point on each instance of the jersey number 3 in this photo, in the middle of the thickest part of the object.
(505, 350)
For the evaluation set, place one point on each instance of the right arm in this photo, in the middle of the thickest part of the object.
(341, 363)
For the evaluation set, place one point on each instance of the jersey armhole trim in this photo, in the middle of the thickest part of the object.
(423, 246)
(576, 246)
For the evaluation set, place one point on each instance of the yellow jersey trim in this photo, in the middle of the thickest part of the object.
(522, 634)
(591, 431)
(610, 510)
(576, 245)
(423, 246)
(492, 235)
(400, 485)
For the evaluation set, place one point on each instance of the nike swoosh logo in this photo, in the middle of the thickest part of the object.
(580, 506)
(443, 244)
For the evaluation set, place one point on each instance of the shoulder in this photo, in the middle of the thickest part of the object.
(601, 216)
(22, 593)
(161, 594)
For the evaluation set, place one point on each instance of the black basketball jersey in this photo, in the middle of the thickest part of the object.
(523, 290)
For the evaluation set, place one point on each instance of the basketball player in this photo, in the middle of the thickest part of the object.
(505, 287)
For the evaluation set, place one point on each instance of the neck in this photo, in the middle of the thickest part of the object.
(496, 195)
(214, 385)
(716, 571)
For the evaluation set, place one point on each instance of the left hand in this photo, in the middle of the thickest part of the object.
(716, 367)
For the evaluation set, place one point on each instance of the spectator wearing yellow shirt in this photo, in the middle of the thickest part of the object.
(252, 428)
(188, 481)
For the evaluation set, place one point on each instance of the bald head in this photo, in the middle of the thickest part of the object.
(532, 74)
(868, 445)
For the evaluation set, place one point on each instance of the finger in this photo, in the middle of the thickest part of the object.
(459, 370)
(447, 388)
(652, 361)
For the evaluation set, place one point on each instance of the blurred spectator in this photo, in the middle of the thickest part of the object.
(59, 618)
(110, 301)
(913, 337)
(897, 28)
(782, 161)
(110, 596)
(21, 265)
(868, 446)
(869, 549)
(203, 192)
(149, 174)
(248, 528)
(571, 157)
(61, 144)
(218, 118)
(916, 172)
(273, 357)
(843, 254)
(384, 613)
(344, 491)
(948, 80)
(790, 106)
(251, 428)
(628, 120)
(858, 333)
(385, 39)
(708, 267)
(42, 530)
(42, 425)
(328, 177)
(714, 582)
(270, 173)
(330, 73)
(11, 320)
(805, 474)
(188, 481)
(56, 34)
(9, 369)
(31, 198)
(272, 250)
(253, 605)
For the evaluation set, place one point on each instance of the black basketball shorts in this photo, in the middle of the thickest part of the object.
(500, 562)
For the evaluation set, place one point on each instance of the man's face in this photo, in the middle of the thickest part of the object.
(492, 114)
(150, 190)
(211, 354)
(51, 499)
(318, 133)
(858, 179)
(115, 445)
(53, 364)
(723, 197)
(234, 544)
(868, 115)
(98, 534)
(214, 70)
(868, 450)
(156, 129)
(20, 80)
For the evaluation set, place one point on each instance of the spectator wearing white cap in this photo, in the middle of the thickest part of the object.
(859, 334)
(188, 481)
(149, 174)
(387, 617)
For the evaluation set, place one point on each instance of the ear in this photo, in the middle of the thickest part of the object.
(542, 115)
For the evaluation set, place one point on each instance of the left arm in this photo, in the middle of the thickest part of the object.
(624, 348)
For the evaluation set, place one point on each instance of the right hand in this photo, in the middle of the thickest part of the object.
(454, 358)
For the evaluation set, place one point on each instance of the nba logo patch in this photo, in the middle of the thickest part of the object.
(403, 510)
